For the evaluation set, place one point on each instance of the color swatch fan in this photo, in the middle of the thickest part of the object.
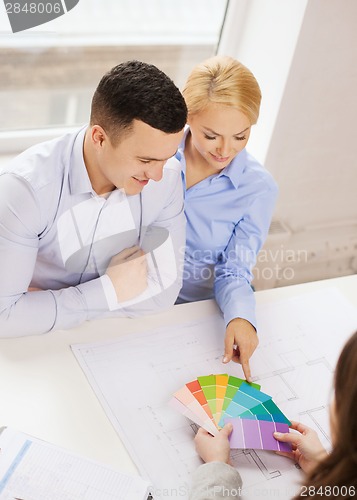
(213, 400)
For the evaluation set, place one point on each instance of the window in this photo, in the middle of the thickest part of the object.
(49, 73)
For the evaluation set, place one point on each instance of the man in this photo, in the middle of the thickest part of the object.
(91, 224)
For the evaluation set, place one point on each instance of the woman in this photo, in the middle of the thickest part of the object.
(327, 475)
(229, 198)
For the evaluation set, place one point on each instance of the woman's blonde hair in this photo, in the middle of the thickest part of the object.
(223, 80)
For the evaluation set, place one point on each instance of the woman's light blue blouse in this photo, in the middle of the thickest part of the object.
(228, 218)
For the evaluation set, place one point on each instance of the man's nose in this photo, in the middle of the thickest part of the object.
(155, 172)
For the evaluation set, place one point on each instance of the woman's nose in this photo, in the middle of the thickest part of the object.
(224, 148)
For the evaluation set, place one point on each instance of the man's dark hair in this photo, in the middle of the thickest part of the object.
(135, 90)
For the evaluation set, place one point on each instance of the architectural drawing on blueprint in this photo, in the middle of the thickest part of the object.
(135, 376)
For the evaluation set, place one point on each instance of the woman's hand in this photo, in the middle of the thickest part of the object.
(214, 448)
(242, 334)
(307, 448)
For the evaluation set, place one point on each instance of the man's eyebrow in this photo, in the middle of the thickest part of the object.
(148, 158)
(215, 133)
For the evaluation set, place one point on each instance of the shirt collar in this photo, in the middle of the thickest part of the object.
(180, 155)
(79, 181)
(233, 171)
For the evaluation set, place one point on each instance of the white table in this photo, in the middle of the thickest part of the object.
(44, 392)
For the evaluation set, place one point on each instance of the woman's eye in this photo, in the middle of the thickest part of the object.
(241, 138)
(145, 161)
(209, 137)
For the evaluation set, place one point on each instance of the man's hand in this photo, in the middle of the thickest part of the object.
(307, 448)
(214, 448)
(128, 273)
(242, 334)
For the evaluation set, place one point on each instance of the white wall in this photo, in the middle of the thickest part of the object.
(262, 34)
(304, 55)
(312, 151)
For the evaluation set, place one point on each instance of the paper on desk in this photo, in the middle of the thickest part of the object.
(300, 339)
(32, 469)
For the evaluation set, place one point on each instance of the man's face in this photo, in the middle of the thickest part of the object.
(139, 157)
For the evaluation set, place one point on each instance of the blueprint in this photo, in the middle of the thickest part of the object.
(135, 376)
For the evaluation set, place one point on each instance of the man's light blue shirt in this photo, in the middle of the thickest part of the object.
(58, 235)
(228, 217)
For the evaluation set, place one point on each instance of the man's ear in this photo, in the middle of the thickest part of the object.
(98, 136)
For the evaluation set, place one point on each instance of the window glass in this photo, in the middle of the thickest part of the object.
(48, 73)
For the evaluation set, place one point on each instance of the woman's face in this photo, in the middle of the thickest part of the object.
(218, 134)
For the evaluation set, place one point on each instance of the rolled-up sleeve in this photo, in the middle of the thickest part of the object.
(233, 272)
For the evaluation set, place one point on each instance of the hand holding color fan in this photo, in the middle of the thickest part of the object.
(213, 400)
